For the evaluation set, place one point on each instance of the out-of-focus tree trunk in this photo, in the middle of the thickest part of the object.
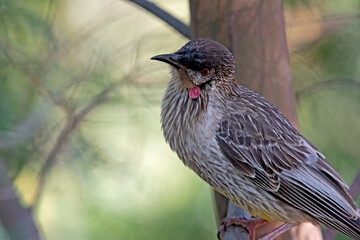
(254, 31)
(16, 219)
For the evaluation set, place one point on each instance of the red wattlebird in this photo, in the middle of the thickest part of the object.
(245, 148)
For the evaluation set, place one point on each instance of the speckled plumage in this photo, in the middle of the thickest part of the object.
(245, 148)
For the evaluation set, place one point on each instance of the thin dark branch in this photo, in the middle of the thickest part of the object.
(323, 85)
(100, 98)
(34, 79)
(179, 26)
(51, 158)
(71, 124)
(72, 120)
(354, 192)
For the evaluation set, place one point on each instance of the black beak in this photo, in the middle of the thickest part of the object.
(172, 59)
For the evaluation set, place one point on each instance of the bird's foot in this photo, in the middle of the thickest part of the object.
(283, 228)
(250, 225)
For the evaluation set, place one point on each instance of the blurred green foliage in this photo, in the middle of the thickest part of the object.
(114, 177)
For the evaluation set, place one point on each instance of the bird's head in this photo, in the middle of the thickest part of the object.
(202, 64)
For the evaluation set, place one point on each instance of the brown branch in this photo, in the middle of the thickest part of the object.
(100, 98)
(17, 220)
(71, 124)
(175, 23)
(354, 192)
(56, 99)
(221, 204)
(234, 232)
(72, 120)
(323, 85)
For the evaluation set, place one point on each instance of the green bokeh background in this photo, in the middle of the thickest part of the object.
(115, 177)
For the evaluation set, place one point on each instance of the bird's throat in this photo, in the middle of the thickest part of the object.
(194, 92)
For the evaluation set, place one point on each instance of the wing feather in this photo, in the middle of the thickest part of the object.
(279, 160)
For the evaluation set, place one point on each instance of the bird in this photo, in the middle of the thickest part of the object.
(245, 148)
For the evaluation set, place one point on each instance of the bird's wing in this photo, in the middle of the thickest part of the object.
(257, 146)
(278, 159)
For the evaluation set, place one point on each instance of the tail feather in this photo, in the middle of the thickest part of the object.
(348, 227)
(329, 210)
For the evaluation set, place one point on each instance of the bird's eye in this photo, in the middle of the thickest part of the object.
(205, 72)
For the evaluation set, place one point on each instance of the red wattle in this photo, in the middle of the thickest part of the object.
(194, 92)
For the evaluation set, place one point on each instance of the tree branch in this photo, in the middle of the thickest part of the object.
(72, 122)
(221, 204)
(56, 99)
(70, 125)
(179, 26)
(234, 232)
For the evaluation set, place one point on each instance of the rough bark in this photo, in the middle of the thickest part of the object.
(254, 30)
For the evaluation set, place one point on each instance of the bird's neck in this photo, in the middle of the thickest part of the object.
(180, 113)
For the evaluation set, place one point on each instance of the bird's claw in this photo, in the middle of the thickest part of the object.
(248, 224)
(225, 223)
